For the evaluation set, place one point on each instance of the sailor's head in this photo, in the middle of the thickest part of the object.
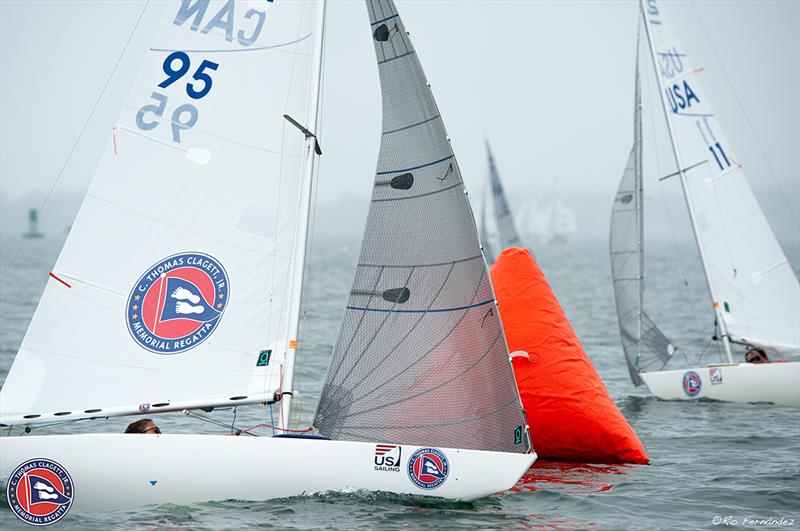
(142, 426)
(756, 355)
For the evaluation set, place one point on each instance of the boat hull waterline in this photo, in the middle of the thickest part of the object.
(778, 383)
(112, 471)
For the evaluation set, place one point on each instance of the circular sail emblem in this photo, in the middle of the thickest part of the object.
(40, 492)
(428, 468)
(692, 384)
(177, 303)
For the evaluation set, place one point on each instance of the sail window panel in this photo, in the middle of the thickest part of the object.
(429, 229)
(435, 177)
(431, 288)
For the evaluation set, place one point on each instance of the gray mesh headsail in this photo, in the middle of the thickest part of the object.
(505, 222)
(421, 357)
(646, 348)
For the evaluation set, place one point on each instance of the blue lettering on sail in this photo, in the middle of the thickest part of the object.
(224, 19)
(680, 97)
(247, 41)
(189, 8)
(652, 10)
(671, 63)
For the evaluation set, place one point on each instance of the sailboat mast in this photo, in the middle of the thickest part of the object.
(639, 180)
(301, 242)
(682, 175)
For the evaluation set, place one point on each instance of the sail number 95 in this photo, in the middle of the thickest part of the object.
(183, 117)
(175, 66)
(184, 64)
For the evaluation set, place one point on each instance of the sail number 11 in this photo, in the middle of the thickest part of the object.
(175, 66)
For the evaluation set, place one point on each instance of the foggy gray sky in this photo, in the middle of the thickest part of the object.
(549, 82)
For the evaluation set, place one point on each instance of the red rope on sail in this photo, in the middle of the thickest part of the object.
(55, 277)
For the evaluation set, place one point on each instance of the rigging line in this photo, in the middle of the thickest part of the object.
(80, 134)
(269, 335)
(746, 117)
(439, 385)
(314, 202)
(686, 293)
(433, 348)
(413, 327)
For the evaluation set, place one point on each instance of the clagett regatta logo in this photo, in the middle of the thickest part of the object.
(40, 492)
(428, 468)
(177, 303)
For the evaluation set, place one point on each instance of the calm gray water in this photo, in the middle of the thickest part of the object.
(710, 461)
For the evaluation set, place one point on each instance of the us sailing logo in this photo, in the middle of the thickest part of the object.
(177, 303)
(387, 457)
(428, 468)
(40, 492)
(692, 384)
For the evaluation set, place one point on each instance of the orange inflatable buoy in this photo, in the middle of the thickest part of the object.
(570, 413)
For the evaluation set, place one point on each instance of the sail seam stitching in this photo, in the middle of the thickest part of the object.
(434, 310)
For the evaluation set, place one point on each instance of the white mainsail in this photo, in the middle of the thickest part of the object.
(176, 285)
(756, 295)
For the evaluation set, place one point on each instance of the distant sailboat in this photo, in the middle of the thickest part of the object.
(547, 217)
(755, 295)
(202, 206)
(564, 225)
(497, 229)
(33, 226)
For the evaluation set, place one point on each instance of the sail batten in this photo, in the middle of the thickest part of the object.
(420, 357)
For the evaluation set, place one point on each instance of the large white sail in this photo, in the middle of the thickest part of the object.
(646, 348)
(174, 288)
(421, 357)
(755, 292)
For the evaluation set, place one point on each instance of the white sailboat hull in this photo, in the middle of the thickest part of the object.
(778, 383)
(112, 471)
